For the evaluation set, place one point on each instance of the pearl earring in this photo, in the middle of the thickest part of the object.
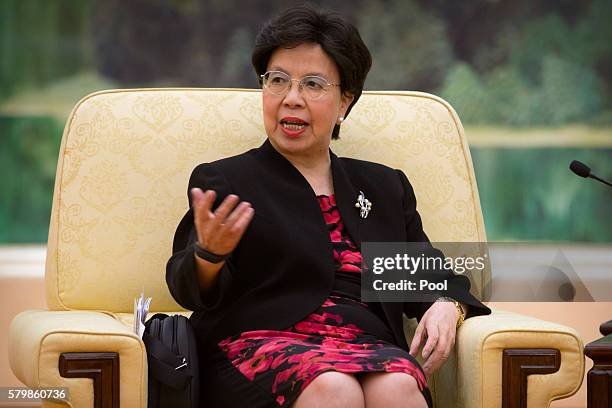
(341, 119)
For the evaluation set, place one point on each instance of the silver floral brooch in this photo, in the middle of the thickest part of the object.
(363, 204)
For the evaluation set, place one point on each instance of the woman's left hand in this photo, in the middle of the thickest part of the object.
(438, 327)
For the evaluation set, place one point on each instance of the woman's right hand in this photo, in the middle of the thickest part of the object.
(220, 231)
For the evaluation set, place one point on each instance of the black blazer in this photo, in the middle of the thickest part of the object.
(283, 269)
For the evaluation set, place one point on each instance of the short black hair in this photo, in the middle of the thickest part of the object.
(336, 36)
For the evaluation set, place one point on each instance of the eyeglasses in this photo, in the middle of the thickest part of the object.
(279, 83)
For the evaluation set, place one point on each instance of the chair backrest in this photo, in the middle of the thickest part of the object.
(126, 156)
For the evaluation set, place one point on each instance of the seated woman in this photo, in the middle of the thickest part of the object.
(268, 256)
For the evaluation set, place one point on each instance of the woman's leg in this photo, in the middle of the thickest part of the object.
(391, 390)
(330, 390)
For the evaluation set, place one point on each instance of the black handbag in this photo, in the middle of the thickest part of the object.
(173, 362)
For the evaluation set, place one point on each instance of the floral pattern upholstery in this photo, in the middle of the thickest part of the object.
(126, 156)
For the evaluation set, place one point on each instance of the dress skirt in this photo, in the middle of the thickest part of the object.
(268, 368)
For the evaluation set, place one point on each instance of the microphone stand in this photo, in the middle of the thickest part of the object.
(601, 180)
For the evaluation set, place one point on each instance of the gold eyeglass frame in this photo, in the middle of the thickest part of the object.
(300, 84)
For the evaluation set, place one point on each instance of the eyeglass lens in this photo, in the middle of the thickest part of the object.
(279, 83)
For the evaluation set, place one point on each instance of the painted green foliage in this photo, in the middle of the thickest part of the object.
(513, 64)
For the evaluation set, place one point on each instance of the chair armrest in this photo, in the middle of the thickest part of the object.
(37, 338)
(481, 343)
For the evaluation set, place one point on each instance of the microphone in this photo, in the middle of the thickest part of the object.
(583, 170)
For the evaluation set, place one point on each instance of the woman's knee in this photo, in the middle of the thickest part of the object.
(332, 389)
(391, 389)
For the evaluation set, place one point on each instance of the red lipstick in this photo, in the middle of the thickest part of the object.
(293, 126)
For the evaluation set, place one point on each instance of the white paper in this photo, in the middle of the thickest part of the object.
(141, 309)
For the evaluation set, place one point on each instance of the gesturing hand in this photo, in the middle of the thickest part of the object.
(220, 231)
(438, 326)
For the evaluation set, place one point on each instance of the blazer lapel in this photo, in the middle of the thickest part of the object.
(346, 197)
(360, 230)
(345, 191)
(287, 183)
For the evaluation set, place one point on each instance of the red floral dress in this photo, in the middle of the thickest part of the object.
(343, 335)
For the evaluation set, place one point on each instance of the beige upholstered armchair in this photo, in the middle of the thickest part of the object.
(120, 191)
